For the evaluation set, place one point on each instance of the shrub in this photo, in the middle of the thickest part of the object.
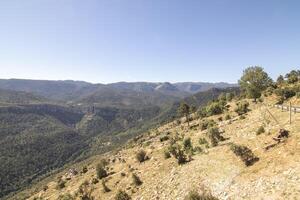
(60, 184)
(202, 112)
(167, 154)
(95, 180)
(244, 153)
(103, 162)
(260, 130)
(214, 108)
(187, 143)
(202, 141)
(101, 172)
(136, 180)
(178, 153)
(85, 192)
(84, 170)
(215, 136)
(229, 96)
(242, 108)
(122, 195)
(104, 186)
(198, 149)
(65, 197)
(194, 195)
(141, 156)
(206, 124)
(227, 117)
(45, 188)
(164, 138)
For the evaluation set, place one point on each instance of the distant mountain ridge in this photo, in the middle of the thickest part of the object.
(75, 90)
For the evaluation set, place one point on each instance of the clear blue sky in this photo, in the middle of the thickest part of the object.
(147, 40)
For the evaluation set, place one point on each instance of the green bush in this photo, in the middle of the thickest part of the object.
(198, 149)
(85, 191)
(242, 108)
(122, 195)
(194, 195)
(95, 180)
(103, 162)
(227, 117)
(260, 130)
(65, 197)
(167, 154)
(242, 117)
(101, 172)
(244, 153)
(141, 156)
(60, 184)
(201, 112)
(206, 124)
(164, 138)
(214, 108)
(202, 141)
(84, 170)
(215, 136)
(178, 153)
(187, 143)
(136, 180)
(229, 96)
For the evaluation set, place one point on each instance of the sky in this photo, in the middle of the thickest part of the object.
(103, 41)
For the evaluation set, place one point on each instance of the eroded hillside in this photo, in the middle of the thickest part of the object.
(207, 168)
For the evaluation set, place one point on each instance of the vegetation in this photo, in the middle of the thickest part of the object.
(167, 154)
(242, 107)
(60, 184)
(205, 124)
(85, 191)
(101, 172)
(254, 81)
(136, 180)
(260, 130)
(227, 117)
(244, 153)
(141, 156)
(184, 110)
(214, 136)
(187, 143)
(194, 195)
(65, 197)
(104, 186)
(122, 195)
(178, 153)
(202, 141)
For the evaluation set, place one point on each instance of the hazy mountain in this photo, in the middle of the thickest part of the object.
(194, 87)
(18, 97)
(75, 90)
(47, 124)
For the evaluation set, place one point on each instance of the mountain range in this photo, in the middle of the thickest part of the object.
(45, 125)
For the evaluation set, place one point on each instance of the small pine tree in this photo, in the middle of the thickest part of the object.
(184, 110)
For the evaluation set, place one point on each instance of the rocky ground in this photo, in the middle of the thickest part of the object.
(216, 170)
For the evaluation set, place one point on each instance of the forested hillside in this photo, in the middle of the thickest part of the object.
(45, 125)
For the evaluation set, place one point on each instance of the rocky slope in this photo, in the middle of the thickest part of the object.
(216, 170)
